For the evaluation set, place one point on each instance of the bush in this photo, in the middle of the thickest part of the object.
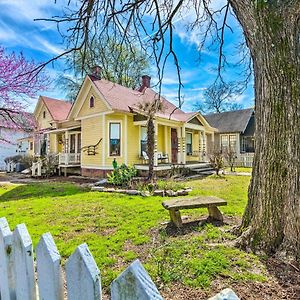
(169, 185)
(217, 161)
(122, 176)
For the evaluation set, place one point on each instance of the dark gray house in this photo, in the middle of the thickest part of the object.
(236, 130)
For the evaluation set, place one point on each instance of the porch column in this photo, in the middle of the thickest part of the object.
(200, 145)
(155, 143)
(67, 145)
(179, 145)
(183, 156)
(48, 143)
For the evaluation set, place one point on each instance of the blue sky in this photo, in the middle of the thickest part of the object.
(41, 41)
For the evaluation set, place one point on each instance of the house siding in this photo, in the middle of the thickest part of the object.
(99, 105)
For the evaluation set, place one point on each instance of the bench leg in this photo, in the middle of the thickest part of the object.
(175, 217)
(215, 213)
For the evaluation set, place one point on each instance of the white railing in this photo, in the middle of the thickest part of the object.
(69, 158)
(83, 279)
(10, 166)
(36, 169)
(245, 160)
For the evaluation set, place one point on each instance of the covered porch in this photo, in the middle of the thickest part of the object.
(66, 142)
(175, 144)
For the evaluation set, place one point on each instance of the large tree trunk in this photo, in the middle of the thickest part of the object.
(271, 222)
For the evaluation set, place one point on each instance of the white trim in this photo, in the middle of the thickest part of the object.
(140, 123)
(62, 129)
(97, 167)
(166, 140)
(121, 138)
(125, 142)
(194, 126)
(94, 115)
(103, 139)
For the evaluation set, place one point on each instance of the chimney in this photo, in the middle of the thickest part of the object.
(145, 82)
(96, 72)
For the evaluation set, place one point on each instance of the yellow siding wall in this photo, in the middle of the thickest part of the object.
(195, 145)
(43, 122)
(161, 138)
(86, 110)
(53, 141)
(91, 132)
(133, 142)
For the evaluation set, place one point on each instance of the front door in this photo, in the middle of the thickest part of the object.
(174, 145)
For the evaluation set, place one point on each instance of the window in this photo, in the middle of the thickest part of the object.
(232, 142)
(44, 114)
(189, 143)
(114, 139)
(92, 102)
(143, 140)
(224, 142)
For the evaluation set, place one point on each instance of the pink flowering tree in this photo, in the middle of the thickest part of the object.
(19, 81)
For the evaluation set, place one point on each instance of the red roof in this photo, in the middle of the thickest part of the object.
(59, 109)
(124, 99)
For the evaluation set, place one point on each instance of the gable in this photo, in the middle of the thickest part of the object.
(99, 105)
(81, 107)
(39, 113)
(195, 121)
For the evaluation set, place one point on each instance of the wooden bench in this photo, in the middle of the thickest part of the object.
(210, 202)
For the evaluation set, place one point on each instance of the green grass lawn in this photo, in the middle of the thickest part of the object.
(119, 228)
(240, 169)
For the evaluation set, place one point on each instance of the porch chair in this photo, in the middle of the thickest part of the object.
(145, 156)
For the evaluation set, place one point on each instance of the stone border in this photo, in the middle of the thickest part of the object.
(161, 193)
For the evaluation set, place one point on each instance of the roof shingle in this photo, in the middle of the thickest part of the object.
(230, 121)
(59, 109)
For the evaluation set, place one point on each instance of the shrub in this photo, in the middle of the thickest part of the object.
(122, 176)
(217, 161)
(169, 185)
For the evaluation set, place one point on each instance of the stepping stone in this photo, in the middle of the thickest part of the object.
(227, 294)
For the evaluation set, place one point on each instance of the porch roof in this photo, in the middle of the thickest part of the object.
(61, 129)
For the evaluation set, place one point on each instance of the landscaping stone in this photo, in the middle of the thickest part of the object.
(132, 192)
(100, 182)
(171, 193)
(188, 189)
(146, 194)
(159, 193)
(98, 188)
(182, 192)
(227, 294)
(109, 190)
(121, 191)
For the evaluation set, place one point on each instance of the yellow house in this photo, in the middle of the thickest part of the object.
(105, 123)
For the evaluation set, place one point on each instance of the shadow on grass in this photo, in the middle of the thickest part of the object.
(189, 227)
(41, 190)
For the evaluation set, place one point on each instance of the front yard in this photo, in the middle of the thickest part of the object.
(191, 263)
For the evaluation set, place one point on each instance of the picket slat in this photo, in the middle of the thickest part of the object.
(49, 271)
(83, 275)
(7, 282)
(23, 266)
(134, 284)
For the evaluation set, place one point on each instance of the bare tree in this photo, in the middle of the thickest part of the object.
(219, 98)
(271, 31)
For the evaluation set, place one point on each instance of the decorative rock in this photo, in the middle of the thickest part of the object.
(120, 191)
(109, 190)
(98, 188)
(188, 189)
(132, 192)
(171, 193)
(159, 193)
(182, 192)
(101, 182)
(146, 194)
(134, 284)
(227, 294)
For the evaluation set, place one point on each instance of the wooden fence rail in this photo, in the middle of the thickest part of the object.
(19, 281)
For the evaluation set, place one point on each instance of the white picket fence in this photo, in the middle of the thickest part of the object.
(19, 281)
(245, 160)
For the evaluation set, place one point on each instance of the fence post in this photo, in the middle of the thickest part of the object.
(134, 283)
(23, 264)
(7, 282)
(83, 275)
(48, 269)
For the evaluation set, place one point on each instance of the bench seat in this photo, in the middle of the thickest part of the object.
(210, 202)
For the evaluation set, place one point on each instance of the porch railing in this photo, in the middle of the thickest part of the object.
(69, 158)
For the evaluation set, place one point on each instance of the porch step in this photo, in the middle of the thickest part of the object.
(209, 169)
(198, 166)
